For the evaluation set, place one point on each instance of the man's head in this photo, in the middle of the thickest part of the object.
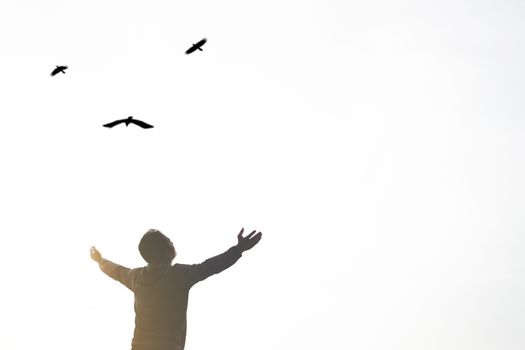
(155, 247)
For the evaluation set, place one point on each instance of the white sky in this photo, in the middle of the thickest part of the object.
(378, 145)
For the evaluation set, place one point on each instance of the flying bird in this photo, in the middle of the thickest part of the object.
(127, 121)
(58, 69)
(197, 46)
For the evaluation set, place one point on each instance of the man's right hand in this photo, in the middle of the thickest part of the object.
(248, 242)
(95, 254)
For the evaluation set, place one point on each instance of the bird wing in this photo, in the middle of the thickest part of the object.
(191, 49)
(112, 124)
(141, 123)
(202, 42)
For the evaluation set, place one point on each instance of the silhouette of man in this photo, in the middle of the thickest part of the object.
(161, 289)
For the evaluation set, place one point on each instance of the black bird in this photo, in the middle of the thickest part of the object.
(197, 46)
(58, 69)
(127, 121)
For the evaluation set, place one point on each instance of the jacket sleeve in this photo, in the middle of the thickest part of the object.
(212, 266)
(119, 273)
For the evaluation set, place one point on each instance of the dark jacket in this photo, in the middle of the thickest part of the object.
(161, 297)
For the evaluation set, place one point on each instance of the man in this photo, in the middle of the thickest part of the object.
(161, 289)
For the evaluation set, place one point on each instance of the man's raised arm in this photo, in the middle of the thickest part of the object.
(221, 262)
(113, 270)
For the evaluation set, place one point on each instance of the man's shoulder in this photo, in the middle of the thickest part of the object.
(183, 269)
(180, 267)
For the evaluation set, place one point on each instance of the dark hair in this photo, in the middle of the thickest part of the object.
(151, 244)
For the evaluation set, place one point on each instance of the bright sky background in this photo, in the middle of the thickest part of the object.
(378, 145)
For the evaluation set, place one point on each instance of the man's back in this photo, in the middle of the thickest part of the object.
(161, 297)
(161, 301)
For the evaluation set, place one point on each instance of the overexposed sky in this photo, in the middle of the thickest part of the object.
(378, 145)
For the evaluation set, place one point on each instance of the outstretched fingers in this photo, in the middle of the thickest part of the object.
(253, 240)
(95, 254)
(251, 234)
(239, 236)
(256, 238)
